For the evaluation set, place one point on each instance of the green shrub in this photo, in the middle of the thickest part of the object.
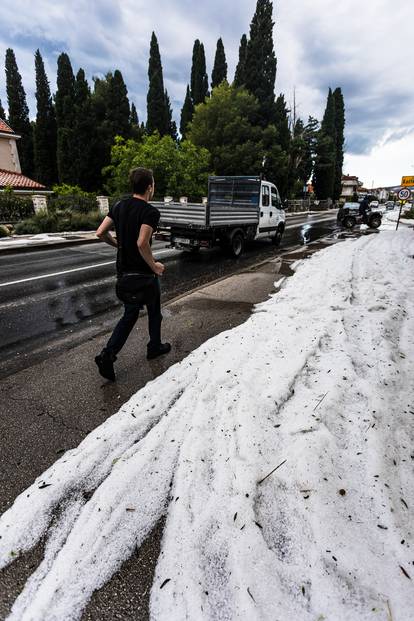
(4, 231)
(14, 208)
(73, 202)
(59, 221)
(64, 189)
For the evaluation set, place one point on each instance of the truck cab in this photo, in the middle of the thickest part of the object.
(272, 214)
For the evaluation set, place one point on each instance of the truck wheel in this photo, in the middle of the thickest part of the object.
(236, 245)
(375, 222)
(276, 240)
(348, 222)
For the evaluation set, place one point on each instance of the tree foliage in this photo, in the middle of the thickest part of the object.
(339, 141)
(19, 113)
(199, 78)
(260, 67)
(2, 112)
(219, 73)
(325, 161)
(65, 118)
(157, 113)
(240, 74)
(179, 169)
(186, 113)
(45, 128)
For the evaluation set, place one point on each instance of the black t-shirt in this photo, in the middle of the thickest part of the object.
(128, 216)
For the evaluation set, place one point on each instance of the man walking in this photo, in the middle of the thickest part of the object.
(135, 221)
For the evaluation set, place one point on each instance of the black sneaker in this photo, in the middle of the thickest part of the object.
(105, 363)
(164, 348)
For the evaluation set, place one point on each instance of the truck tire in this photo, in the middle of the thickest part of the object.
(348, 222)
(277, 239)
(375, 222)
(236, 245)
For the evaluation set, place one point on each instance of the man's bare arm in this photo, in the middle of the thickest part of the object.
(104, 234)
(145, 251)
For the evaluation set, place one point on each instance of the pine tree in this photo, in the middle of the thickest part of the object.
(339, 142)
(240, 75)
(2, 112)
(66, 152)
(324, 175)
(219, 73)
(260, 70)
(199, 78)
(133, 119)
(45, 128)
(170, 123)
(156, 104)
(19, 113)
(186, 113)
(117, 107)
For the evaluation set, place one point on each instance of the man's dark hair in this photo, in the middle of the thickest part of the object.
(140, 179)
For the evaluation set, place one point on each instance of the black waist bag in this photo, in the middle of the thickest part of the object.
(136, 288)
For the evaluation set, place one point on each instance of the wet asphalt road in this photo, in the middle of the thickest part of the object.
(49, 298)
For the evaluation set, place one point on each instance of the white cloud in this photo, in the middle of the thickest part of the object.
(363, 47)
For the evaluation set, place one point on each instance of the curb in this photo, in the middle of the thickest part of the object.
(48, 245)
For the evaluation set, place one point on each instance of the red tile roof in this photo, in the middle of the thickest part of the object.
(5, 128)
(18, 181)
(349, 178)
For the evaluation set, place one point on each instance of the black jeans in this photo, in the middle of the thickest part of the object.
(128, 320)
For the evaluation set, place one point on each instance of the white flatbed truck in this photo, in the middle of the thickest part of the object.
(237, 210)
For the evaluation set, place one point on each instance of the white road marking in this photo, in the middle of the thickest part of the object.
(157, 255)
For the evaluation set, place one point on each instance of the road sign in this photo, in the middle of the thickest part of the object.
(404, 195)
(407, 181)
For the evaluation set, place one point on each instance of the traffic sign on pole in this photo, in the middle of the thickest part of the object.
(407, 181)
(404, 194)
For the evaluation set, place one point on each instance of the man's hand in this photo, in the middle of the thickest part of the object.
(159, 268)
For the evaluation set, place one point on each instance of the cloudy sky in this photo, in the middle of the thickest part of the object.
(364, 47)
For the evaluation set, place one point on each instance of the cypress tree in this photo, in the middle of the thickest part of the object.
(117, 108)
(45, 128)
(281, 121)
(186, 113)
(261, 60)
(199, 78)
(240, 75)
(156, 104)
(133, 119)
(219, 73)
(65, 93)
(170, 123)
(88, 146)
(339, 144)
(324, 175)
(66, 153)
(19, 113)
(2, 112)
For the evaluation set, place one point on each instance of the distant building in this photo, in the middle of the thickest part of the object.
(350, 187)
(10, 171)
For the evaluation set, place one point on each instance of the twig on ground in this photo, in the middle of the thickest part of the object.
(274, 470)
(319, 402)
